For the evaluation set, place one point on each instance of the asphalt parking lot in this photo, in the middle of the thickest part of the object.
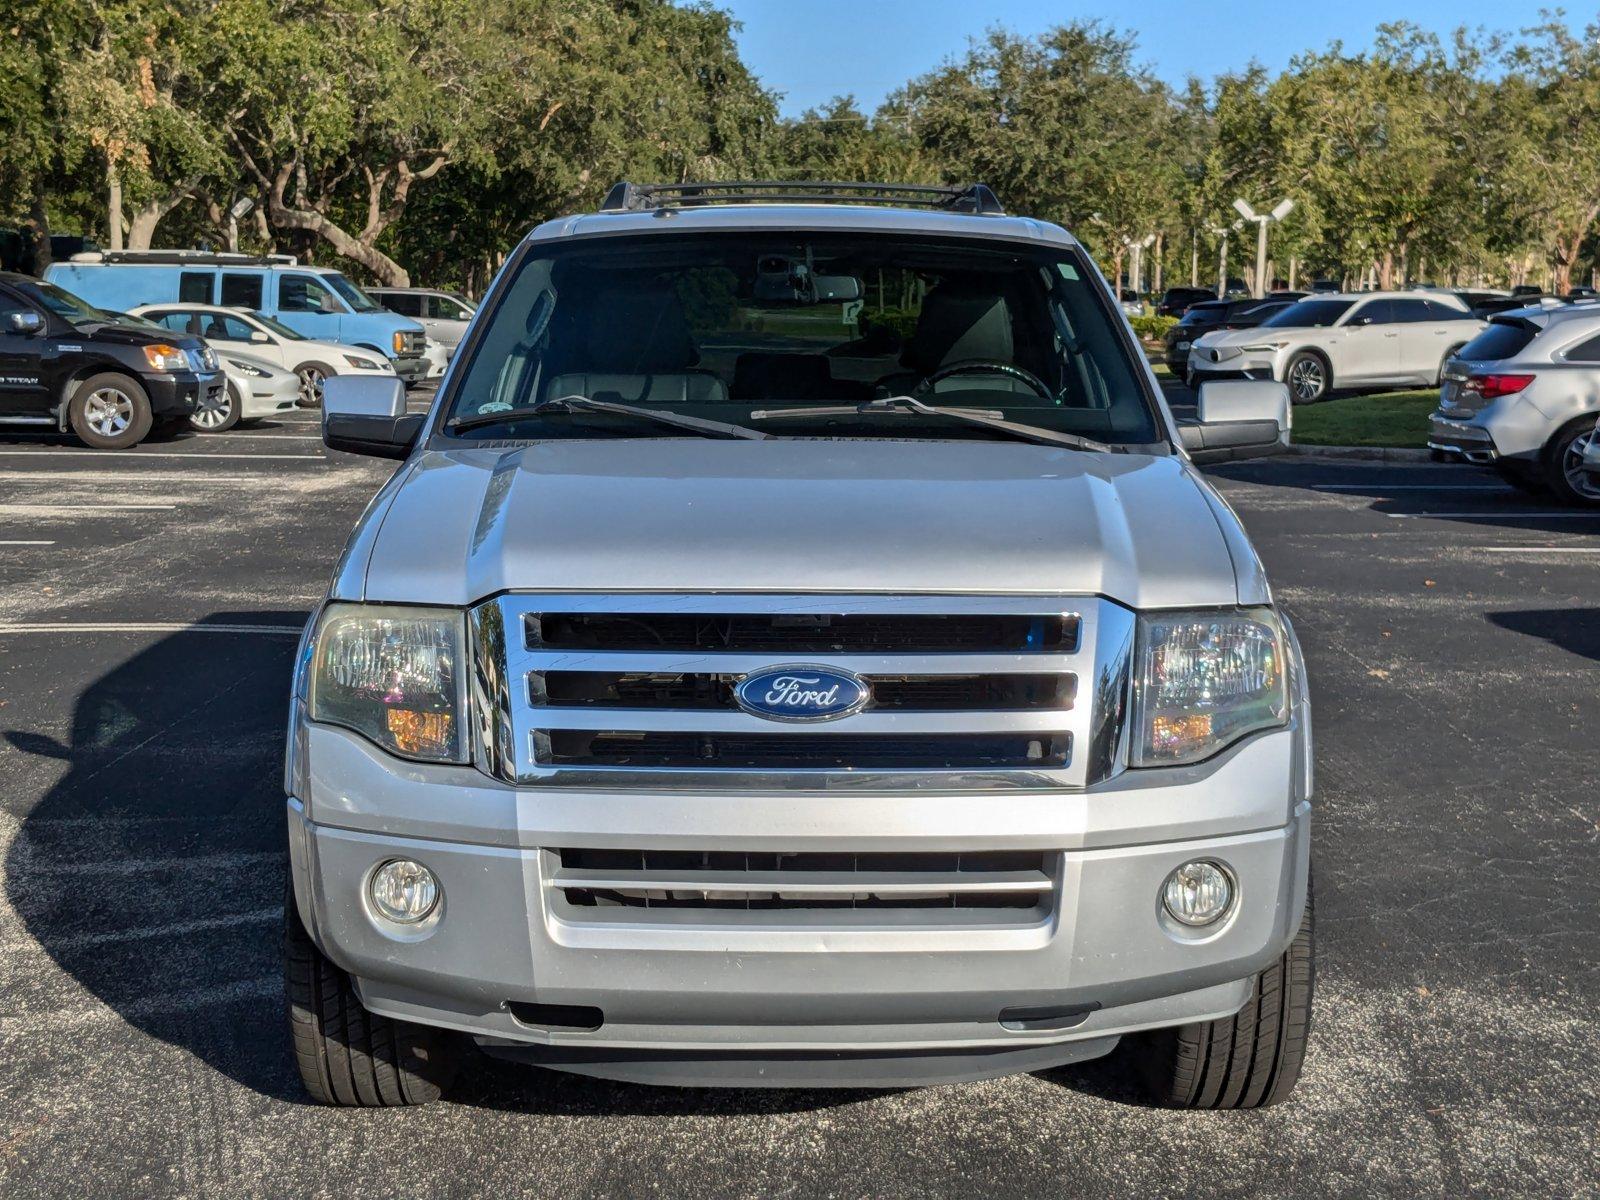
(150, 605)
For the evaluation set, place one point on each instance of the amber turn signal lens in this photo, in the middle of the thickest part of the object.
(424, 734)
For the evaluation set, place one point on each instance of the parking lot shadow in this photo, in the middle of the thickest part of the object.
(149, 854)
(1575, 630)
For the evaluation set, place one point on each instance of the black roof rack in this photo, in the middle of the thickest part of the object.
(646, 197)
(199, 258)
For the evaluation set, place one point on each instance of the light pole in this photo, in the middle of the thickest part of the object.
(1262, 220)
(1136, 248)
(1222, 255)
(237, 209)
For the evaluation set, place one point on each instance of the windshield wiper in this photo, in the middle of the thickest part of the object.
(566, 405)
(911, 406)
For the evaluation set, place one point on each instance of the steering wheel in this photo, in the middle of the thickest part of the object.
(988, 366)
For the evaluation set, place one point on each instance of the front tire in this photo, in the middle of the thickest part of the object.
(220, 418)
(312, 375)
(1249, 1060)
(349, 1057)
(1309, 377)
(110, 412)
(1563, 461)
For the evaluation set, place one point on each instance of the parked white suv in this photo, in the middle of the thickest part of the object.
(261, 336)
(1523, 395)
(1349, 340)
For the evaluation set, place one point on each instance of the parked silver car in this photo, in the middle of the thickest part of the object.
(256, 388)
(742, 684)
(445, 316)
(1524, 396)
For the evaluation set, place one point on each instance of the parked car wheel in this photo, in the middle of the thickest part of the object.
(348, 1056)
(1563, 464)
(109, 412)
(1249, 1060)
(219, 417)
(1309, 377)
(312, 375)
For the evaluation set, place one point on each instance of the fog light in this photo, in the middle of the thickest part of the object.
(404, 891)
(1197, 893)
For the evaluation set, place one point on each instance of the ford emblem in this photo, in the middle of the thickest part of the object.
(801, 693)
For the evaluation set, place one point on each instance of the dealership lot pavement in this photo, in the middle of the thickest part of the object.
(148, 606)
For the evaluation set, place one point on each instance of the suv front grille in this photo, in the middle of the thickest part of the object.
(626, 690)
(802, 633)
(764, 881)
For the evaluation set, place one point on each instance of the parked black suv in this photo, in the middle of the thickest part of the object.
(1177, 300)
(108, 377)
(1201, 319)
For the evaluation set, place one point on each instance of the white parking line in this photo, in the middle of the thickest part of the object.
(99, 508)
(143, 627)
(16, 543)
(1412, 487)
(56, 452)
(1537, 549)
(1499, 514)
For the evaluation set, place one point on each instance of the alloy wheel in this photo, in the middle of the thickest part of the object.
(310, 387)
(1572, 467)
(214, 415)
(108, 411)
(1306, 380)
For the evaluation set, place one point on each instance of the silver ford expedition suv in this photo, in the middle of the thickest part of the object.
(798, 649)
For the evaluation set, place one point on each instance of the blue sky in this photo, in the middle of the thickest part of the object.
(812, 50)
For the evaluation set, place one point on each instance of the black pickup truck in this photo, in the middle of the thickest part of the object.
(108, 378)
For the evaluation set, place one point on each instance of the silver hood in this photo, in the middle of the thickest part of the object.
(682, 515)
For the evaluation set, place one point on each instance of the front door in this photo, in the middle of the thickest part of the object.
(1369, 349)
(22, 387)
(308, 306)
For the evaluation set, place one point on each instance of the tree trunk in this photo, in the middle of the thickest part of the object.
(41, 229)
(114, 204)
(142, 225)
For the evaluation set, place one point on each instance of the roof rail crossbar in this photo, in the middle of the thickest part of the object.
(646, 197)
(212, 258)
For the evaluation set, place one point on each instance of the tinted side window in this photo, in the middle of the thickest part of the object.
(223, 327)
(1412, 312)
(178, 322)
(1588, 351)
(404, 303)
(1374, 312)
(10, 306)
(441, 308)
(302, 293)
(194, 287)
(1443, 312)
(241, 291)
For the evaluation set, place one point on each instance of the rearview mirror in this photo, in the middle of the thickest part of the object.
(366, 414)
(1238, 418)
(26, 323)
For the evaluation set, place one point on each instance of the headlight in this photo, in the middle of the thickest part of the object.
(393, 675)
(245, 368)
(1265, 348)
(166, 358)
(1206, 679)
(359, 363)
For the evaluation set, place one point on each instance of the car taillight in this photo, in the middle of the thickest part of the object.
(1491, 387)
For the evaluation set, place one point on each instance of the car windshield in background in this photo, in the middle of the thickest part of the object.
(353, 296)
(1308, 314)
(277, 326)
(724, 326)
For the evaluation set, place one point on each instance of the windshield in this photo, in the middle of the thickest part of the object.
(718, 326)
(1308, 314)
(353, 296)
(67, 306)
(277, 326)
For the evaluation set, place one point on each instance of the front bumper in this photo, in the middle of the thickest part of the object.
(723, 998)
(270, 396)
(412, 369)
(179, 393)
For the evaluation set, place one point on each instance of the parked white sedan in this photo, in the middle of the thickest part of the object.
(260, 336)
(1359, 340)
(256, 389)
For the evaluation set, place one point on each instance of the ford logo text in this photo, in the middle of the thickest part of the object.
(801, 693)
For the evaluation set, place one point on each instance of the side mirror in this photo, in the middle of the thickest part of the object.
(28, 323)
(366, 414)
(1238, 418)
(258, 338)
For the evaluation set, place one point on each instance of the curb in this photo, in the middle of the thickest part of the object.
(1368, 453)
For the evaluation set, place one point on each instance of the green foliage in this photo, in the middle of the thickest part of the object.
(1152, 328)
(1391, 419)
